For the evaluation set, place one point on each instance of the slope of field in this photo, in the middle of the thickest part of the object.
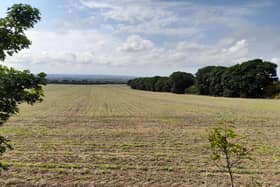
(113, 135)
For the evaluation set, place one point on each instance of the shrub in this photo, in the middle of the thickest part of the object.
(227, 152)
(192, 90)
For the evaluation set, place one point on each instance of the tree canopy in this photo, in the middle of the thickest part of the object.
(17, 87)
(252, 79)
(177, 82)
(208, 80)
(248, 79)
(19, 18)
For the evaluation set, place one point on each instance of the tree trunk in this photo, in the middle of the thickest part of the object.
(229, 169)
(231, 177)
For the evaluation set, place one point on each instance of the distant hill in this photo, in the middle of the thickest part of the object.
(87, 79)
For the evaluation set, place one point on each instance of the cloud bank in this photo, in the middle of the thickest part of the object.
(144, 37)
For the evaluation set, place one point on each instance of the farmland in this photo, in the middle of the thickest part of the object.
(113, 135)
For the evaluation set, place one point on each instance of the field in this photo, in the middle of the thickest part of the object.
(115, 136)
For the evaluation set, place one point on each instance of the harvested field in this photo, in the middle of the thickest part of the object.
(111, 135)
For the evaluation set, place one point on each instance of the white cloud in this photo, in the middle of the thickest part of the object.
(128, 10)
(56, 49)
(139, 16)
(92, 52)
(96, 4)
(242, 44)
(135, 43)
(172, 18)
(276, 60)
(143, 37)
(184, 55)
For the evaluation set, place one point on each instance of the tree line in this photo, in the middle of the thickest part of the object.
(84, 81)
(177, 82)
(251, 79)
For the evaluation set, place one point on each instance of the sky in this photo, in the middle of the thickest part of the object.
(147, 37)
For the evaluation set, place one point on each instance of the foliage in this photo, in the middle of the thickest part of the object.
(19, 18)
(227, 152)
(4, 145)
(273, 90)
(17, 87)
(251, 79)
(179, 81)
(203, 79)
(162, 84)
(192, 90)
(208, 80)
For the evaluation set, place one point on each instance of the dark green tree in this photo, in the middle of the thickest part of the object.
(249, 79)
(17, 87)
(208, 80)
(253, 79)
(179, 81)
(150, 83)
(155, 83)
(162, 85)
(216, 86)
(257, 76)
(203, 81)
(231, 80)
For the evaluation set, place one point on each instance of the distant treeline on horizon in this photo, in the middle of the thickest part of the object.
(87, 79)
(252, 79)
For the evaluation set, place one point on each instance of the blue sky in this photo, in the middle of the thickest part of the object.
(147, 37)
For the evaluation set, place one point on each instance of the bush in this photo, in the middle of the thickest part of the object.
(227, 151)
(192, 90)
(277, 88)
